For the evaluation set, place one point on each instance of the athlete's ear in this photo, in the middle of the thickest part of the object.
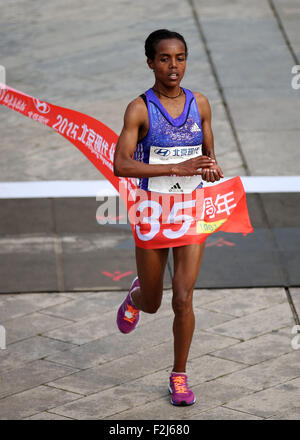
(150, 63)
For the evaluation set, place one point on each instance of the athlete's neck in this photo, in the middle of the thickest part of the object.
(168, 92)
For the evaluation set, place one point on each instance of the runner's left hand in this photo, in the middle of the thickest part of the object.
(212, 174)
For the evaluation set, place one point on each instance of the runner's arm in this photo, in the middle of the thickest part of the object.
(213, 173)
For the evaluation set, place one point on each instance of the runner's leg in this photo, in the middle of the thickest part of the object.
(187, 262)
(151, 265)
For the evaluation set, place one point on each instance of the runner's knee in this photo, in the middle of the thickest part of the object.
(151, 304)
(182, 301)
(151, 308)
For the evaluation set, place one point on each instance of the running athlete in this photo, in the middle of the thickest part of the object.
(167, 118)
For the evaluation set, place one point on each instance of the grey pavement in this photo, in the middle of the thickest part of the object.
(64, 357)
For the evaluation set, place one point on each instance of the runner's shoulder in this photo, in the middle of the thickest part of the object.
(203, 104)
(201, 99)
(136, 110)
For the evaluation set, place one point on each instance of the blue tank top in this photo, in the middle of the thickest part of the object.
(170, 141)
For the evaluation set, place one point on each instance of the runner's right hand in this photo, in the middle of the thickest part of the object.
(193, 166)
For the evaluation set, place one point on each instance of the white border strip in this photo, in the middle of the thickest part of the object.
(270, 184)
(56, 188)
(102, 188)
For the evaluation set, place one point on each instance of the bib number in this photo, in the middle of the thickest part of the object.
(173, 217)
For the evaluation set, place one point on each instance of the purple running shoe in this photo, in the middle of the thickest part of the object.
(128, 315)
(178, 387)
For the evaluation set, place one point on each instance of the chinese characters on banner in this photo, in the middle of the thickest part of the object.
(157, 220)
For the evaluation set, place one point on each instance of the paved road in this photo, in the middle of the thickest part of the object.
(65, 358)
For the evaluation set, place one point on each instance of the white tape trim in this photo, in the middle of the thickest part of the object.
(102, 188)
(56, 188)
(269, 184)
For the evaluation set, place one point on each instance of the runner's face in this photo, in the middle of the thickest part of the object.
(169, 62)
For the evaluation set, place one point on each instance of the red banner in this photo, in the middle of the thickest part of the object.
(163, 220)
(157, 220)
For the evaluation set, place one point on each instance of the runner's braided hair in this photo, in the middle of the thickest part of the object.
(161, 34)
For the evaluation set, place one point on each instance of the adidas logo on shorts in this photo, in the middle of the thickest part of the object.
(176, 188)
(195, 127)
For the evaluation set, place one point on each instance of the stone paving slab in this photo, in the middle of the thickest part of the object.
(289, 13)
(268, 373)
(99, 405)
(124, 369)
(46, 415)
(80, 307)
(84, 330)
(208, 367)
(41, 398)
(112, 347)
(259, 323)
(115, 346)
(27, 350)
(209, 395)
(95, 377)
(291, 414)
(31, 375)
(236, 302)
(31, 324)
(258, 349)
(13, 306)
(267, 403)
(244, 53)
(221, 413)
(264, 145)
(244, 102)
(223, 9)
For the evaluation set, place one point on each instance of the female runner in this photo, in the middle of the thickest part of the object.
(167, 118)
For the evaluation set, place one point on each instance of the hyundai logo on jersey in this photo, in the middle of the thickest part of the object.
(162, 152)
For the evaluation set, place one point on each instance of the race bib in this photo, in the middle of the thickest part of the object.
(170, 155)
